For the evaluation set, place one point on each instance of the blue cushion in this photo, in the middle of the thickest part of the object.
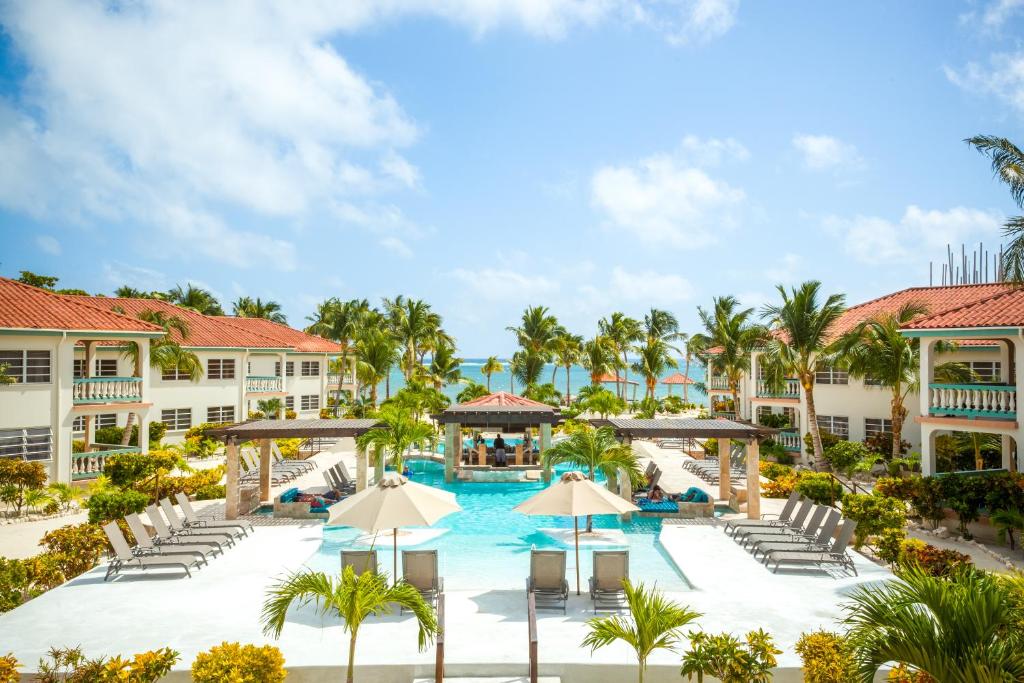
(694, 495)
(661, 506)
(289, 495)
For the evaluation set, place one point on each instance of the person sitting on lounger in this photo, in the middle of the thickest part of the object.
(656, 495)
(499, 452)
(694, 495)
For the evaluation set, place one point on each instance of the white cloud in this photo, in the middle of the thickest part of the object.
(783, 271)
(712, 151)
(49, 244)
(397, 246)
(994, 15)
(662, 199)
(919, 235)
(505, 285)
(824, 152)
(694, 22)
(649, 287)
(147, 279)
(1003, 78)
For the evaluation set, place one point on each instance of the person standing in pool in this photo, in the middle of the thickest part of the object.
(499, 451)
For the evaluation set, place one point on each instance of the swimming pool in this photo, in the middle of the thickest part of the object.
(487, 546)
(510, 444)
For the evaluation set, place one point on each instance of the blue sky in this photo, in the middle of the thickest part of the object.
(590, 155)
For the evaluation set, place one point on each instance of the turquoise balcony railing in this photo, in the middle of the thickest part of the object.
(791, 389)
(86, 390)
(790, 441)
(263, 384)
(997, 401)
(90, 465)
(718, 382)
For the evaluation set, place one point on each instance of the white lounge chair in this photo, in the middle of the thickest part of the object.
(179, 526)
(166, 535)
(146, 545)
(419, 569)
(125, 559)
(547, 579)
(194, 521)
(611, 568)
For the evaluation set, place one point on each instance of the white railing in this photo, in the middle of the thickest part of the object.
(789, 440)
(90, 465)
(973, 400)
(333, 377)
(106, 390)
(791, 389)
(718, 382)
(262, 384)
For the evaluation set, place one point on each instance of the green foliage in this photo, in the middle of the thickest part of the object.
(873, 514)
(64, 494)
(820, 487)
(881, 444)
(652, 623)
(13, 583)
(128, 469)
(604, 403)
(729, 659)
(545, 393)
(828, 439)
(827, 657)
(916, 555)
(4, 377)
(70, 664)
(595, 450)
(844, 455)
(647, 408)
(1007, 523)
(236, 663)
(114, 435)
(674, 404)
(200, 480)
(774, 420)
(772, 470)
(889, 545)
(17, 478)
(896, 487)
(400, 432)
(76, 548)
(42, 281)
(471, 391)
(9, 669)
(113, 504)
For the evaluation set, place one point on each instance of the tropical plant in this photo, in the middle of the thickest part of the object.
(64, 494)
(960, 629)
(598, 359)
(445, 367)
(472, 391)
(653, 623)
(568, 351)
(874, 514)
(4, 377)
(35, 280)
(801, 343)
(36, 499)
(1007, 523)
(653, 358)
(247, 307)
(398, 432)
(604, 403)
(17, 478)
(526, 367)
(622, 332)
(491, 366)
(730, 660)
(196, 299)
(729, 331)
(1007, 165)
(843, 456)
(694, 348)
(377, 353)
(113, 504)
(127, 292)
(239, 663)
(339, 321)
(70, 664)
(544, 393)
(976, 443)
(271, 407)
(352, 598)
(9, 666)
(414, 325)
(827, 657)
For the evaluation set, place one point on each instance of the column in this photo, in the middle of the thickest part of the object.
(452, 450)
(90, 420)
(231, 486)
(362, 469)
(1017, 378)
(378, 468)
(927, 347)
(753, 480)
(927, 450)
(545, 443)
(265, 469)
(62, 414)
(1006, 441)
(724, 446)
(625, 492)
(143, 420)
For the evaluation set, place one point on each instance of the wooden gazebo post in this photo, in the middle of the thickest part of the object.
(724, 451)
(231, 486)
(362, 469)
(753, 479)
(265, 469)
(452, 449)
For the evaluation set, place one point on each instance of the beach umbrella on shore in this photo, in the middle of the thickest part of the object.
(393, 502)
(576, 496)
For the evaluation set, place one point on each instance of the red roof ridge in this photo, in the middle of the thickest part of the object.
(75, 300)
(919, 322)
(924, 288)
(504, 398)
(233, 319)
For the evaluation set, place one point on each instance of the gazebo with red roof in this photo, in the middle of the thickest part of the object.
(608, 378)
(500, 411)
(677, 378)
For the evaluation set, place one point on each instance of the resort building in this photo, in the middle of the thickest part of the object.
(67, 355)
(856, 409)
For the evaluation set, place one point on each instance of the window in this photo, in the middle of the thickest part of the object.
(79, 371)
(289, 369)
(987, 371)
(762, 411)
(310, 402)
(840, 426)
(220, 368)
(31, 443)
(177, 419)
(78, 426)
(289, 402)
(174, 374)
(27, 367)
(106, 367)
(99, 422)
(220, 414)
(310, 368)
(827, 375)
(873, 426)
(870, 381)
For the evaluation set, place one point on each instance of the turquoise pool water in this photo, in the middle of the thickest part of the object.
(487, 546)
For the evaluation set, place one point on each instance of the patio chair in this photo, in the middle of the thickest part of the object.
(182, 535)
(253, 471)
(766, 519)
(547, 579)
(419, 569)
(194, 521)
(836, 554)
(125, 559)
(145, 545)
(651, 483)
(796, 522)
(611, 568)
(651, 466)
(179, 524)
(821, 539)
(279, 460)
(338, 481)
(805, 532)
(361, 561)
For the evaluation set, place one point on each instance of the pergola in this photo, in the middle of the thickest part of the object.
(500, 411)
(262, 431)
(725, 431)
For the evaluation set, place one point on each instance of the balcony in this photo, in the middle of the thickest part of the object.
(333, 377)
(90, 465)
(790, 440)
(723, 414)
(95, 390)
(993, 401)
(718, 382)
(263, 384)
(791, 389)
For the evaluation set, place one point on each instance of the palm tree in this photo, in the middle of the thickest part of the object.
(653, 358)
(352, 598)
(126, 292)
(958, 629)
(598, 358)
(1007, 165)
(537, 331)
(595, 450)
(445, 367)
(472, 391)
(400, 431)
(800, 343)
(491, 366)
(196, 299)
(412, 324)
(976, 443)
(653, 624)
(603, 402)
(621, 331)
(377, 353)
(247, 307)
(341, 322)
(271, 407)
(735, 336)
(568, 351)
(526, 367)
(693, 348)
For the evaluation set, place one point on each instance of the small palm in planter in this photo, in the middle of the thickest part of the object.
(653, 624)
(353, 598)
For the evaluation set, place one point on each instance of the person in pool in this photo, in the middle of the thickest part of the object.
(499, 451)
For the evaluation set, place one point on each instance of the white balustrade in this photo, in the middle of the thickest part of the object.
(106, 389)
(262, 384)
(791, 389)
(973, 400)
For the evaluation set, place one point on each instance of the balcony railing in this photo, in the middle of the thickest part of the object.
(718, 382)
(333, 377)
(90, 465)
(86, 390)
(790, 441)
(725, 414)
(791, 389)
(973, 400)
(263, 384)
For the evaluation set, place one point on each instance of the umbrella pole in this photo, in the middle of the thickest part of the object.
(576, 530)
(395, 561)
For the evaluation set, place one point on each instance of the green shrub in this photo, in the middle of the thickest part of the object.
(113, 504)
(729, 659)
(774, 420)
(78, 446)
(113, 435)
(821, 487)
(784, 457)
(844, 455)
(772, 470)
(828, 439)
(76, 547)
(897, 487)
(889, 545)
(239, 664)
(937, 562)
(17, 478)
(190, 484)
(211, 492)
(873, 514)
(673, 404)
(13, 583)
(827, 657)
(70, 664)
(9, 669)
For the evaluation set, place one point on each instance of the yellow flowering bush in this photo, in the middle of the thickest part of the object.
(237, 663)
(827, 657)
(9, 669)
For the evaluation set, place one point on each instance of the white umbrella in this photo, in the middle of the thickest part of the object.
(575, 495)
(393, 502)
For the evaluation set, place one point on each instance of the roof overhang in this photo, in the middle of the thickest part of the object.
(687, 428)
(295, 429)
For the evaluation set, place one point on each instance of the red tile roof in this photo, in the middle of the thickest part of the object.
(296, 339)
(615, 379)
(25, 307)
(1002, 309)
(677, 378)
(504, 399)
